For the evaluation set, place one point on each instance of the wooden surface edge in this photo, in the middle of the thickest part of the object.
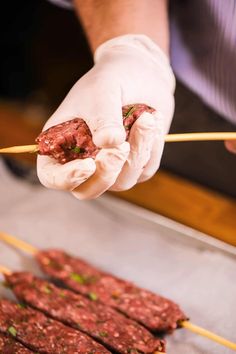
(187, 203)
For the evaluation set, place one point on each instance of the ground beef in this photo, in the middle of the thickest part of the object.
(155, 312)
(104, 324)
(73, 140)
(9, 346)
(42, 334)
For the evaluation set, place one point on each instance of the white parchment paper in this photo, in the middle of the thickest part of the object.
(202, 279)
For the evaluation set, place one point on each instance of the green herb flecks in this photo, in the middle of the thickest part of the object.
(130, 111)
(78, 150)
(93, 296)
(21, 306)
(12, 331)
(103, 334)
(47, 290)
(62, 294)
(78, 278)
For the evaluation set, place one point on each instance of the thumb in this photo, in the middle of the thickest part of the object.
(105, 120)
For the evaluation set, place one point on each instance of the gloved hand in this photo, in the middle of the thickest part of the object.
(128, 69)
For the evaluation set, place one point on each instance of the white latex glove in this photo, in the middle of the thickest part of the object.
(128, 69)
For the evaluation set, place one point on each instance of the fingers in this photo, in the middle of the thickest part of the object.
(109, 163)
(231, 146)
(156, 154)
(66, 177)
(154, 162)
(94, 99)
(105, 120)
(144, 133)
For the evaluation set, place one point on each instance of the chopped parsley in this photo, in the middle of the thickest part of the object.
(78, 278)
(76, 149)
(93, 296)
(12, 331)
(130, 111)
(21, 306)
(103, 334)
(47, 290)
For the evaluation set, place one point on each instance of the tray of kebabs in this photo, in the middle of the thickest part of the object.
(107, 277)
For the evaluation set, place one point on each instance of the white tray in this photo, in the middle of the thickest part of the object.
(193, 269)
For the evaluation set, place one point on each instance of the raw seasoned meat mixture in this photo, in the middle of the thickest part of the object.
(155, 312)
(101, 322)
(73, 140)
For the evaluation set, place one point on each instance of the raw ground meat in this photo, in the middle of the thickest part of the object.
(73, 140)
(155, 312)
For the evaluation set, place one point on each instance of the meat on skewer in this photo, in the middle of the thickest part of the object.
(104, 324)
(155, 312)
(24, 246)
(72, 139)
(9, 346)
(42, 334)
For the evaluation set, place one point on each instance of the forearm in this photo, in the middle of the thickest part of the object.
(106, 19)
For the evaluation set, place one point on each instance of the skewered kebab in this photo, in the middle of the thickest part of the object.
(104, 324)
(19, 244)
(73, 139)
(42, 334)
(9, 346)
(155, 312)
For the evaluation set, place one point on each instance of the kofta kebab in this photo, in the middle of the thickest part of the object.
(97, 306)
(73, 140)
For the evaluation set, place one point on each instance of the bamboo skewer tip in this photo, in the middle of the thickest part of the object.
(210, 335)
(15, 242)
(4, 270)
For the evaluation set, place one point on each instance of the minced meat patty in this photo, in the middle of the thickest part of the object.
(155, 312)
(42, 334)
(104, 324)
(73, 139)
(9, 346)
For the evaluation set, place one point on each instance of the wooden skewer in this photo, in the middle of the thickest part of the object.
(5, 270)
(170, 138)
(185, 324)
(212, 336)
(19, 149)
(13, 241)
(200, 137)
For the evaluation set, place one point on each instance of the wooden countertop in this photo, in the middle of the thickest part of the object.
(187, 203)
(166, 194)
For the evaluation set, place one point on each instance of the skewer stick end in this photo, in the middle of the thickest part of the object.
(5, 270)
(210, 335)
(13, 241)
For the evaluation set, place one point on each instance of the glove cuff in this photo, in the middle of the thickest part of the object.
(142, 43)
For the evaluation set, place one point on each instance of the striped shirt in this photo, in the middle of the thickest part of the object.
(203, 50)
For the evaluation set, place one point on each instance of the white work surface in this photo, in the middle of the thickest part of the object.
(155, 252)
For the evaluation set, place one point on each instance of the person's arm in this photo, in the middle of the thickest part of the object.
(129, 39)
(106, 19)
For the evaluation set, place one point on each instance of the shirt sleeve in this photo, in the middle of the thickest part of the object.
(66, 4)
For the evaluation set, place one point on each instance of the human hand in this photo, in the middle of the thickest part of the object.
(128, 69)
